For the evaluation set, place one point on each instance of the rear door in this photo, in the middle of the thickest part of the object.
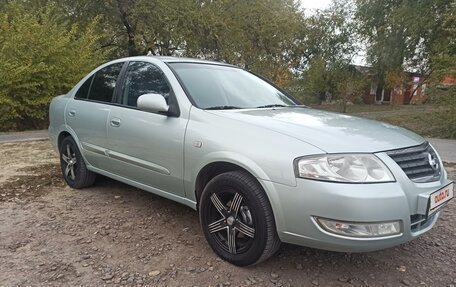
(146, 147)
(87, 113)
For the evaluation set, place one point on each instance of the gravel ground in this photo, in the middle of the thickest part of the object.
(116, 235)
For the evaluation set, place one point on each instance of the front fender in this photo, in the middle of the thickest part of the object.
(221, 156)
(230, 157)
(246, 163)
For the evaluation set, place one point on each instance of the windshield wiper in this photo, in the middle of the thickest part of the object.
(272, 106)
(223, 108)
(282, 106)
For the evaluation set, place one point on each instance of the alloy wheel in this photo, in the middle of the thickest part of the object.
(69, 157)
(231, 222)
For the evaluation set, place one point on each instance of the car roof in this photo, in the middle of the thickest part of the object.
(169, 59)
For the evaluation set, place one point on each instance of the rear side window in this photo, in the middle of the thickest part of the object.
(104, 83)
(143, 78)
(84, 89)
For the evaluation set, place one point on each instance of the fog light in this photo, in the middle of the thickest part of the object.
(360, 229)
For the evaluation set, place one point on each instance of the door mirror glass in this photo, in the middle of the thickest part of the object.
(153, 103)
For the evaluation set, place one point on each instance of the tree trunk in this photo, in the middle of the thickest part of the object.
(131, 46)
(343, 106)
(378, 92)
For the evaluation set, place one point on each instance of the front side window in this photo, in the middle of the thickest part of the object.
(213, 86)
(143, 78)
(104, 83)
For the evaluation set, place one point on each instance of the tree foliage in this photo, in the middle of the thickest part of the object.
(47, 45)
(328, 45)
(443, 55)
(443, 59)
(260, 35)
(400, 34)
(350, 87)
(40, 58)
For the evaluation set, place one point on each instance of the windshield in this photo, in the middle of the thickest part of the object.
(223, 87)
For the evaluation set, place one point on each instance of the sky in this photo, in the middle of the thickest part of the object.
(315, 4)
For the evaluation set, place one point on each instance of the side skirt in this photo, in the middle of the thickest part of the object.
(159, 192)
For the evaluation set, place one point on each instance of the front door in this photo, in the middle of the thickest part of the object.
(146, 147)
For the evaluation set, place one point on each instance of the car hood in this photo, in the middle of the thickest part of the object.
(330, 132)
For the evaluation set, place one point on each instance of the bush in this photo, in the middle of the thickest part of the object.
(446, 99)
(296, 88)
(41, 57)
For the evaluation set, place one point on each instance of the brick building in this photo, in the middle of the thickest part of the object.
(412, 92)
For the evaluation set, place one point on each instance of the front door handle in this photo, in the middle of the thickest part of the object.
(71, 113)
(115, 123)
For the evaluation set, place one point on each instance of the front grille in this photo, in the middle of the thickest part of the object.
(420, 163)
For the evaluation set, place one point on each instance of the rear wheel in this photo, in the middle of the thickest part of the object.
(73, 167)
(237, 219)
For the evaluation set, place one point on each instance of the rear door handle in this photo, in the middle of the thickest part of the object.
(71, 113)
(115, 122)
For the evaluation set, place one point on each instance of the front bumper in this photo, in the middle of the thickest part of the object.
(295, 209)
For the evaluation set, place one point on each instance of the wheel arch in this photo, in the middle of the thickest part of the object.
(227, 161)
(210, 171)
(62, 135)
(221, 163)
(68, 131)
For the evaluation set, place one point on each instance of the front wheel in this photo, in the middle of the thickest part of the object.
(237, 219)
(74, 169)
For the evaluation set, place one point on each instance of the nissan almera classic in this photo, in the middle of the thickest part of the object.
(260, 168)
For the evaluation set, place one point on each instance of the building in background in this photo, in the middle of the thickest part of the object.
(411, 91)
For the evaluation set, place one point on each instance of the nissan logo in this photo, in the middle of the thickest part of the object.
(433, 162)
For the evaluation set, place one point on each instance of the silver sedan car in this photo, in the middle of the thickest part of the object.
(259, 167)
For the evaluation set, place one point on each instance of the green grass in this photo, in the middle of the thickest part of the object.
(357, 108)
(426, 120)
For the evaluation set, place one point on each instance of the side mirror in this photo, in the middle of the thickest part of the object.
(154, 103)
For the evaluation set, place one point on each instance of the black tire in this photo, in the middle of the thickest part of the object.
(74, 169)
(234, 206)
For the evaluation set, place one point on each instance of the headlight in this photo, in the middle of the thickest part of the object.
(354, 168)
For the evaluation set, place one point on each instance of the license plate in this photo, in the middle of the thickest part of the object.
(440, 197)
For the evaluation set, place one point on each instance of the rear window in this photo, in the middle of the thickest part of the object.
(84, 89)
(104, 83)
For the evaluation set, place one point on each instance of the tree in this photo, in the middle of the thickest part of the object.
(317, 79)
(400, 34)
(329, 34)
(443, 54)
(165, 27)
(259, 35)
(41, 57)
(326, 48)
(443, 60)
(351, 85)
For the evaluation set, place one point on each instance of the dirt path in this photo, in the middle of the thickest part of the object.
(116, 235)
(11, 137)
